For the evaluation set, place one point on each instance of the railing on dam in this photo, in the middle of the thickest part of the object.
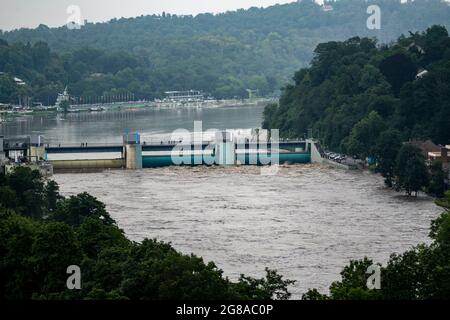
(168, 146)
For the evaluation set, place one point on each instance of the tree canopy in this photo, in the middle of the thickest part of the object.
(355, 89)
(222, 54)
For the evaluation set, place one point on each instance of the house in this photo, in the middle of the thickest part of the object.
(416, 47)
(432, 152)
(421, 74)
(426, 146)
(19, 82)
(442, 155)
(5, 107)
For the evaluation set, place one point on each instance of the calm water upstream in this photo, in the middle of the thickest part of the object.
(108, 127)
(308, 221)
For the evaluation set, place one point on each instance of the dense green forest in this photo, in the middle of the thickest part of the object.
(355, 90)
(420, 273)
(43, 233)
(223, 54)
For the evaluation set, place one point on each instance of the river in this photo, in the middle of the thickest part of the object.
(307, 221)
(108, 127)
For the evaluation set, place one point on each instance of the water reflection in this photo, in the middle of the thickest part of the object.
(108, 127)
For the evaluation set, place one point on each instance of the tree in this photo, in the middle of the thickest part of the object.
(52, 196)
(440, 227)
(93, 236)
(347, 80)
(365, 133)
(64, 105)
(314, 294)
(352, 286)
(16, 276)
(386, 149)
(404, 275)
(53, 250)
(28, 187)
(437, 179)
(8, 89)
(8, 198)
(411, 174)
(272, 286)
(76, 209)
(269, 112)
(398, 69)
(445, 201)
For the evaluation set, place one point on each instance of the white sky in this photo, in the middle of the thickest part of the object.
(30, 13)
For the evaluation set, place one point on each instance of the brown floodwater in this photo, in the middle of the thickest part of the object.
(307, 221)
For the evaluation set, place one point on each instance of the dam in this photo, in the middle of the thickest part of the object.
(224, 149)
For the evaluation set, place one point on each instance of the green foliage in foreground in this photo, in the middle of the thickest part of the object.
(420, 273)
(43, 233)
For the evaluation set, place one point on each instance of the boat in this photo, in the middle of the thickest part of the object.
(97, 109)
(38, 106)
(25, 111)
(74, 110)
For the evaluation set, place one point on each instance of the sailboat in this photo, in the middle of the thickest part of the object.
(97, 109)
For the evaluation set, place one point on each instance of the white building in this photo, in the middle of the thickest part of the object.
(19, 82)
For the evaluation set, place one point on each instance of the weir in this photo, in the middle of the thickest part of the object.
(132, 154)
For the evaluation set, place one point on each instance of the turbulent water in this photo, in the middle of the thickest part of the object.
(307, 221)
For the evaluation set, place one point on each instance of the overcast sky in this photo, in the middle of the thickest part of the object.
(31, 13)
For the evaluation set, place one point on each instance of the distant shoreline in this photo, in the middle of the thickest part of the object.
(150, 105)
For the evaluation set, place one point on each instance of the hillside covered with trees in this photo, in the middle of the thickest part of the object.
(223, 54)
(355, 90)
